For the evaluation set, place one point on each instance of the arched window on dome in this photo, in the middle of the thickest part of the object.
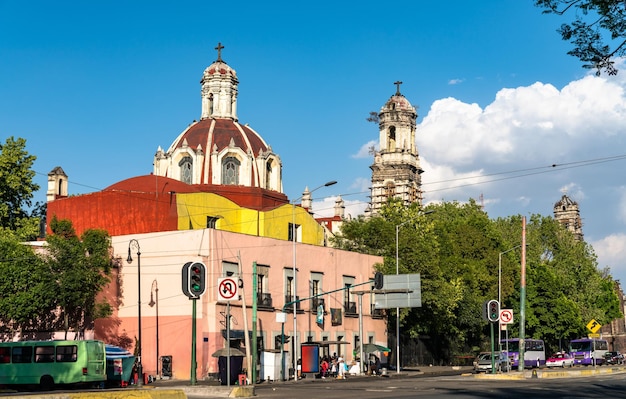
(230, 171)
(186, 170)
(268, 174)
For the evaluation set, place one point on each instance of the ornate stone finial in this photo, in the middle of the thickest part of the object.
(397, 83)
(219, 51)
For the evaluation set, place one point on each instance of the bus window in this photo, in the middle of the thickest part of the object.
(22, 354)
(44, 354)
(5, 355)
(66, 353)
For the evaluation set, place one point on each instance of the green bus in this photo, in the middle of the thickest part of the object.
(47, 363)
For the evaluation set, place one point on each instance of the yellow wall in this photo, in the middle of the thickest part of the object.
(194, 208)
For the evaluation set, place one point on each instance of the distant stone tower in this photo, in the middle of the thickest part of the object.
(57, 184)
(567, 213)
(396, 170)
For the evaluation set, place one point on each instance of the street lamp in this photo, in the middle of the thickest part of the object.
(500, 289)
(155, 289)
(135, 244)
(398, 272)
(295, 285)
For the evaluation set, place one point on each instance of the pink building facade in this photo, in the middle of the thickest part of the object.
(318, 270)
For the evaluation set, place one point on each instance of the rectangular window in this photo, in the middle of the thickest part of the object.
(44, 354)
(264, 297)
(297, 231)
(22, 354)
(348, 305)
(230, 269)
(263, 273)
(67, 353)
(5, 355)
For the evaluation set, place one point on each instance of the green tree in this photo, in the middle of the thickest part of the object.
(598, 31)
(456, 250)
(81, 267)
(25, 303)
(17, 188)
(564, 288)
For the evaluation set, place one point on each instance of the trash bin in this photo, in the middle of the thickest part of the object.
(236, 363)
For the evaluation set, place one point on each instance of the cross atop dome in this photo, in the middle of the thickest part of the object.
(219, 52)
(397, 83)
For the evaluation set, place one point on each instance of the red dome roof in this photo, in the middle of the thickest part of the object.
(217, 134)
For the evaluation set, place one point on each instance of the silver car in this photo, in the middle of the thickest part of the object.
(483, 362)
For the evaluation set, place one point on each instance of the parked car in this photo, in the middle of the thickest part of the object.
(613, 358)
(560, 359)
(483, 362)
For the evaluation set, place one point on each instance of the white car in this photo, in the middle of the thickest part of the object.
(560, 359)
(483, 362)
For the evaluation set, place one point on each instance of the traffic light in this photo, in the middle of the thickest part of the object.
(378, 281)
(194, 279)
(493, 310)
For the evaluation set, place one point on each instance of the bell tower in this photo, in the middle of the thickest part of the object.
(396, 170)
(567, 213)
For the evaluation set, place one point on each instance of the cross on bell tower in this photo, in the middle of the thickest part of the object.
(219, 51)
(397, 83)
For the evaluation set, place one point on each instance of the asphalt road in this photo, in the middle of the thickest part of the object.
(457, 387)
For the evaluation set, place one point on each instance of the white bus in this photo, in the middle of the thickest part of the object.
(534, 352)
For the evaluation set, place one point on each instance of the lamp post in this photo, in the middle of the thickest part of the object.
(155, 289)
(135, 244)
(295, 285)
(398, 272)
(500, 288)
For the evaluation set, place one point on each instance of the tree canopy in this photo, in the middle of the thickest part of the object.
(598, 31)
(456, 248)
(56, 289)
(17, 189)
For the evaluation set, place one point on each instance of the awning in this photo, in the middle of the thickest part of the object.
(369, 348)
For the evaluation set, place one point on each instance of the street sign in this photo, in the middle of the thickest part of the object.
(506, 316)
(400, 291)
(594, 326)
(227, 289)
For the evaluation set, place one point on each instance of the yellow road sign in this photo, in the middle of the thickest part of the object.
(593, 326)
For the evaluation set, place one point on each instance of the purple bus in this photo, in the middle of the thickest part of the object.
(588, 351)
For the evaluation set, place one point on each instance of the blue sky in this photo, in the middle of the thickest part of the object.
(96, 87)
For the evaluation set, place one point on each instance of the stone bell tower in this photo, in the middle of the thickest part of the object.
(396, 169)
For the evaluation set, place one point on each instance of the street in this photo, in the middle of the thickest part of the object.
(458, 387)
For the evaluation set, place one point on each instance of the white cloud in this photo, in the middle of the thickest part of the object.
(611, 251)
(574, 191)
(455, 81)
(326, 207)
(621, 205)
(520, 152)
(366, 150)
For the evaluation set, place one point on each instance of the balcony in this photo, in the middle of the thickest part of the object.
(350, 308)
(316, 302)
(264, 300)
(289, 308)
(376, 313)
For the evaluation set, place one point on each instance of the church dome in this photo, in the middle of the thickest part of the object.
(398, 102)
(217, 149)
